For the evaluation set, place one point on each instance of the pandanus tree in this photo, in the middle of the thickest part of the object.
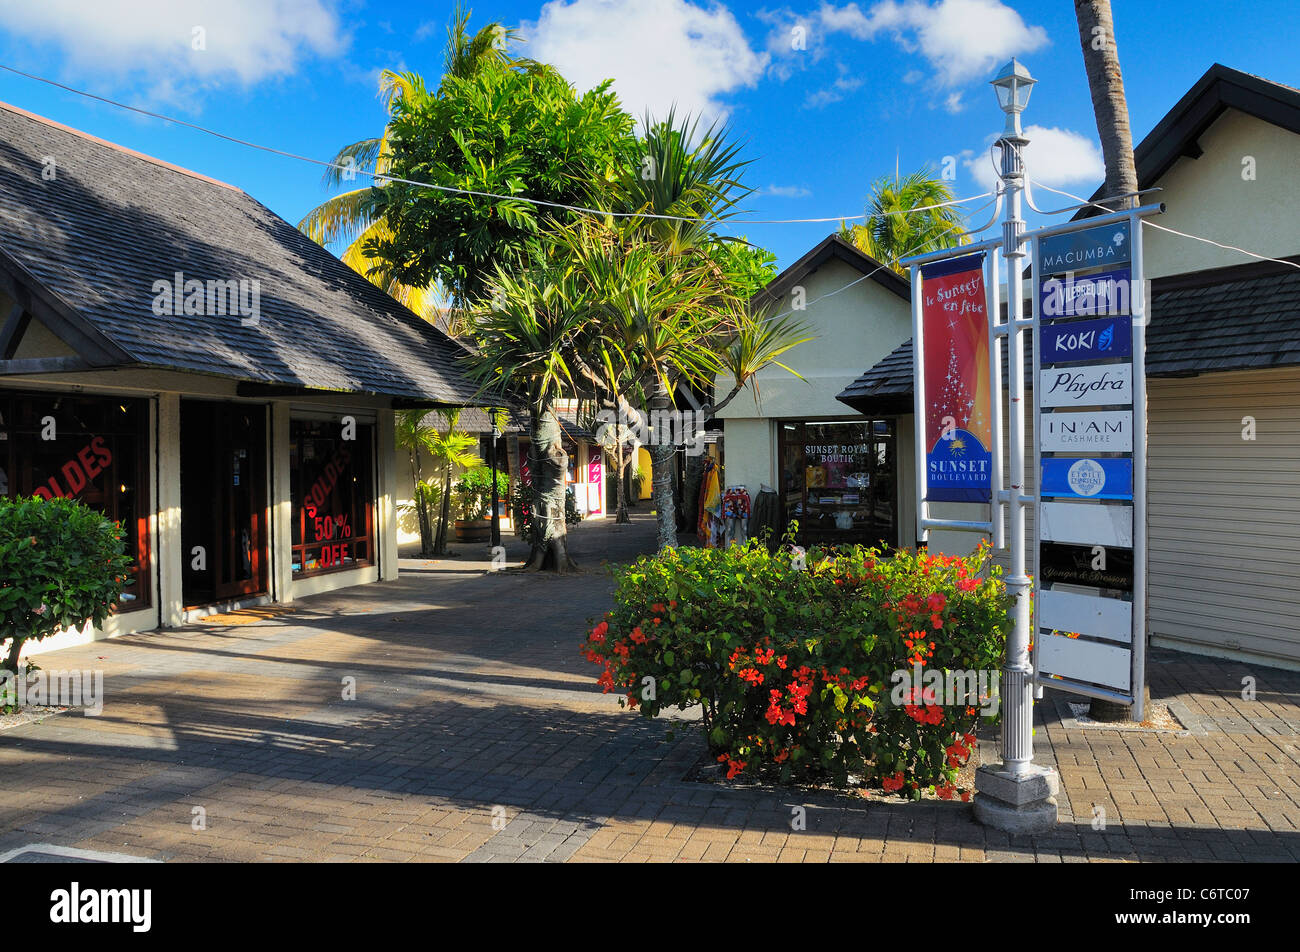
(660, 322)
(525, 341)
(687, 181)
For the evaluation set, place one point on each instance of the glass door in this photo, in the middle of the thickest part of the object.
(223, 501)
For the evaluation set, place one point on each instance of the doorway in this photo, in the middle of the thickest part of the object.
(223, 501)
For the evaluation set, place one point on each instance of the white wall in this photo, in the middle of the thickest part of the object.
(853, 330)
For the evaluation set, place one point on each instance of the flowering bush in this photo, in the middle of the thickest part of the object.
(798, 660)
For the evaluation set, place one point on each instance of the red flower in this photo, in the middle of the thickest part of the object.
(638, 635)
(657, 607)
(936, 620)
(937, 601)
(890, 784)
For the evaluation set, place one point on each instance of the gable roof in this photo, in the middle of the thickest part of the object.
(1178, 133)
(833, 247)
(81, 252)
(1246, 317)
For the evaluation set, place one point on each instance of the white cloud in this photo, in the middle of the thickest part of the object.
(175, 45)
(960, 39)
(658, 52)
(786, 191)
(833, 93)
(1059, 157)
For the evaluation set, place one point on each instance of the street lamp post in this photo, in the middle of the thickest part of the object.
(1017, 795)
(496, 515)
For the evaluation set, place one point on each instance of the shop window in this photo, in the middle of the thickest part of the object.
(331, 486)
(839, 480)
(92, 449)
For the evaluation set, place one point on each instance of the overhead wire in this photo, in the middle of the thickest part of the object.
(352, 169)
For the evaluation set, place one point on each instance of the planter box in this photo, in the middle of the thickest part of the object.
(473, 530)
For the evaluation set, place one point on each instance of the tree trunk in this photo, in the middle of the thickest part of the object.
(15, 649)
(421, 505)
(549, 463)
(621, 514)
(444, 514)
(1106, 84)
(661, 481)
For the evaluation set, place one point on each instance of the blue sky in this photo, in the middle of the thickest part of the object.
(826, 96)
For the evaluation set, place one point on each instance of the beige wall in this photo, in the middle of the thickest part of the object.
(853, 330)
(1209, 197)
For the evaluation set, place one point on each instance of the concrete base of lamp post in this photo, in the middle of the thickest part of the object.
(1023, 804)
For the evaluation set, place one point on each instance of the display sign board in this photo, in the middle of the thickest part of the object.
(595, 483)
(1086, 524)
(1103, 478)
(1090, 402)
(1091, 295)
(1087, 340)
(1099, 566)
(1110, 619)
(1101, 247)
(1097, 431)
(955, 365)
(1087, 385)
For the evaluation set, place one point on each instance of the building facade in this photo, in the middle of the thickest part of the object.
(178, 357)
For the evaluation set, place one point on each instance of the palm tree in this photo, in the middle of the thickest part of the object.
(1106, 84)
(348, 217)
(448, 450)
(893, 231)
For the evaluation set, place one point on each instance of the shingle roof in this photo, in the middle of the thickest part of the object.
(1240, 318)
(95, 238)
(832, 247)
(1178, 132)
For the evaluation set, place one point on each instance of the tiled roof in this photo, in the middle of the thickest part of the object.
(1239, 318)
(94, 238)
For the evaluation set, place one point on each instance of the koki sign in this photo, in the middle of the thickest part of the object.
(1087, 340)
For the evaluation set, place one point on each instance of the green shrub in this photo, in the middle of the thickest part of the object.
(61, 565)
(799, 660)
(473, 493)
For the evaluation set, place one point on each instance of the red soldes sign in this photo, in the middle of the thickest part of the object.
(79, 472)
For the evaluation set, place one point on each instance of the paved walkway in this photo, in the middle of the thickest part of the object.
(478, 733)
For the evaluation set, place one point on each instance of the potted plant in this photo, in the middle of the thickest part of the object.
(473, 496)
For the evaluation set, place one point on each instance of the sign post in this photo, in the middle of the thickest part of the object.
(1090, 453)
(1089, 381)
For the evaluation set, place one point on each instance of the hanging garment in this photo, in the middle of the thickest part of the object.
(735, 513)
(767, 516)
(710, 504)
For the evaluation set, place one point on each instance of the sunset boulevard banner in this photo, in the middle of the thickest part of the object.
(958, 425)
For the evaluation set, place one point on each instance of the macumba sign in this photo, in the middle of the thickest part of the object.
(79, 472)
